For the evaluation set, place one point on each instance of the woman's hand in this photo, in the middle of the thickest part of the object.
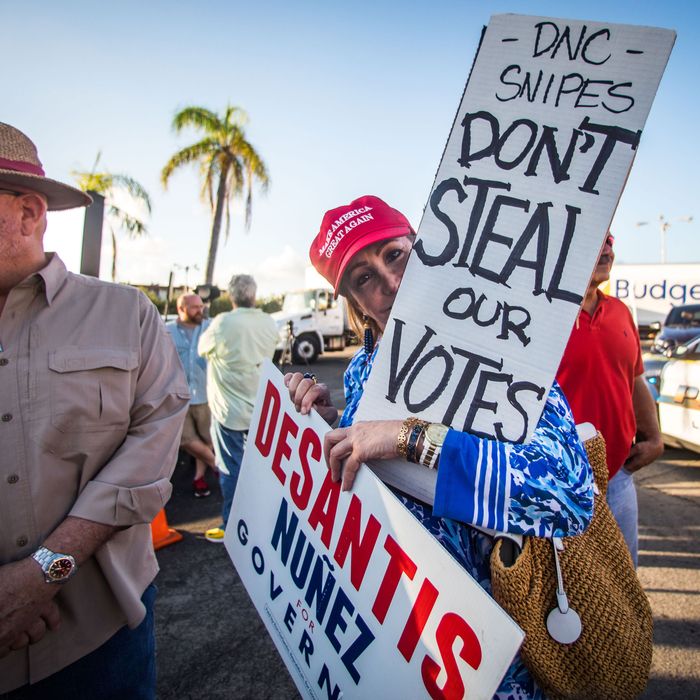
(346, 449)
(306, 394)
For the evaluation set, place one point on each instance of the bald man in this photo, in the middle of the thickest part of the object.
(196, 438)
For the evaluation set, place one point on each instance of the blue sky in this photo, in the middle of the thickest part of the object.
(344, 99)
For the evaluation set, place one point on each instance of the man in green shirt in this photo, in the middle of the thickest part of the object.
(235, 344)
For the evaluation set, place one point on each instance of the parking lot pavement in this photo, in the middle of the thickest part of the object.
(212, 644)
(669, 569)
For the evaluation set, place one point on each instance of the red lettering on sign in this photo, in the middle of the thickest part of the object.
(362, 546)
(451, 628)
(268, 417)
(284, 449)
(325, 508)
(399, 563)
(420, 612)
(300, 488)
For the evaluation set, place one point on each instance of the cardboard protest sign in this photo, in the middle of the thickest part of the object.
(527, 187)
(357, 596)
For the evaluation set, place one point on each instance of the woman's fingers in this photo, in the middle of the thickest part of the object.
(292, 381)
(336, 447)
(316, 394)
(350, 468)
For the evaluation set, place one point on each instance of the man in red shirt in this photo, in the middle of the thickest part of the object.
(602, 376)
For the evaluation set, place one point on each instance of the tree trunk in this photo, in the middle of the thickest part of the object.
(114, 257)
(216, 225)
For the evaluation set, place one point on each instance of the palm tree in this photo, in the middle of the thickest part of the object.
(109, 185)
(227, 162)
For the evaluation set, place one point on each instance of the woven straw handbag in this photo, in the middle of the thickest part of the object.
(612, 656)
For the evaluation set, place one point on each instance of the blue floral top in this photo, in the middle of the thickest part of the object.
(543, 488)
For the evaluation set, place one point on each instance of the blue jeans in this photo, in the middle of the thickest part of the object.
(228, 448)
(622, 499)
(123, 667)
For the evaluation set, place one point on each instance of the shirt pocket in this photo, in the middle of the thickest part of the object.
(91, 388)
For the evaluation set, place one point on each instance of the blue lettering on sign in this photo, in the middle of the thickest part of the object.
(659, 291)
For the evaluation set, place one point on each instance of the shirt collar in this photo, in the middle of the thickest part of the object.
(53, 274)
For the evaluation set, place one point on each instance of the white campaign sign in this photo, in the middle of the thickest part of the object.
(528, 184)
(360, 600)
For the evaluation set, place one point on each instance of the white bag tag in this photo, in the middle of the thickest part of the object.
(563, 622)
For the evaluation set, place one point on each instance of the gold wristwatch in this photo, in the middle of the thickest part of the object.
(433, 438)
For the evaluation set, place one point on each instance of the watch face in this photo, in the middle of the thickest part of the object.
(436, 433)
(60, 569)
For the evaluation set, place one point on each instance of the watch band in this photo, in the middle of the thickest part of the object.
(430, 454)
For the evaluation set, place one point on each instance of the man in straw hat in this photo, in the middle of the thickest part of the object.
(92, 399)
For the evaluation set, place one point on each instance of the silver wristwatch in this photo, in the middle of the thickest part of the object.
(57, 568)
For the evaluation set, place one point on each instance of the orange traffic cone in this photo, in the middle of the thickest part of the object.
(162, 534)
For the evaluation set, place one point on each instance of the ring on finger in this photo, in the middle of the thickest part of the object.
(312, 377)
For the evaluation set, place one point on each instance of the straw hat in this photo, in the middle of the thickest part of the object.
(21, 168)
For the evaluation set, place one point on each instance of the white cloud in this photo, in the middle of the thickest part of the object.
(143, 260)
(276, 273)
(149, 259)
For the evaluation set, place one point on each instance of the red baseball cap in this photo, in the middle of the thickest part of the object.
(348, 229)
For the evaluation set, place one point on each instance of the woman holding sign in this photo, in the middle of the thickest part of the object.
(546, 486)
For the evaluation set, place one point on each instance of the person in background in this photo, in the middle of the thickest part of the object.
(92, 399)
(234, 345)
(362, 250)
(602, 376)
(196, 436)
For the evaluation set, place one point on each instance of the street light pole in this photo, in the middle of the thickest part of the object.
(186, 268)
(664, 226)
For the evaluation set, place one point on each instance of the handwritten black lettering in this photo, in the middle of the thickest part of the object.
(396, 376)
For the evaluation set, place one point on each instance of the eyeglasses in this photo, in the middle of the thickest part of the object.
(610, 240)
(12, 193)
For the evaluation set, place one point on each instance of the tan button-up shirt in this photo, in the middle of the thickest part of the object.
(92, 400)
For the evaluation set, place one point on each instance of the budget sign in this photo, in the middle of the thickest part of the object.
(534, 165)
(360, 600)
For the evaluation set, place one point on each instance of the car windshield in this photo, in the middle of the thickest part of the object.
(684, 316)
(298, 301)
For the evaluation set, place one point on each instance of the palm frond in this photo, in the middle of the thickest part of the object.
(131, 224)
(235, 116)
(186, 156)
(97, 182)
(97, 161)
(199, 118)
(235, 178)
(135, 189)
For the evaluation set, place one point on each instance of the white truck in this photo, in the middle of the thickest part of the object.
(650, 290)
(319, 323)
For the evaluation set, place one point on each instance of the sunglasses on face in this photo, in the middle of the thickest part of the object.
(12, 193)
